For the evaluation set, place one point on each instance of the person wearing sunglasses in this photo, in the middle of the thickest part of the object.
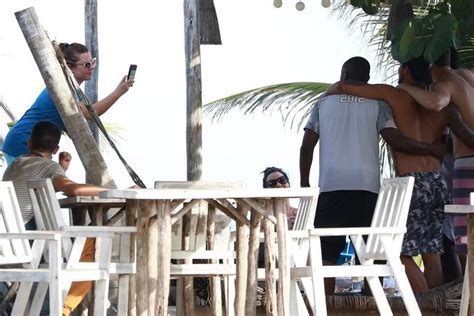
(274, 177)
(82, 65)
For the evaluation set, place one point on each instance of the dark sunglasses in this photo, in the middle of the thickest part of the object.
(273, 183)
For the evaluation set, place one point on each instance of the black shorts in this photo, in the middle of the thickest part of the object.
(342, 209)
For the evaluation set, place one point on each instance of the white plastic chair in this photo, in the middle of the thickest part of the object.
(299, 250)
(465, 296)
(48, 216)
(15, 249)
(385, 237)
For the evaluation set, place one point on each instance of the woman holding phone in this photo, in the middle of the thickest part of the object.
(82, 65)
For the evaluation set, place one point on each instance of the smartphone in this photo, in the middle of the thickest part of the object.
(131, 72)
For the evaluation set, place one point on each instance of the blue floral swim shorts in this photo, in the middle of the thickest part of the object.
(426, 216)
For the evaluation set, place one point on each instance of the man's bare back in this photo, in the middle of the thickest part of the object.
(460, 83)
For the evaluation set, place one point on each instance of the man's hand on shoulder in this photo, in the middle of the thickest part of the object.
(439, 150)
(335, 88)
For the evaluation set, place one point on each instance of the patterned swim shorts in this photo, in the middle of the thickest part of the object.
(426, 216)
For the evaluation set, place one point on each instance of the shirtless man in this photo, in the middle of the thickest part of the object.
(425, 221)
(453, 86)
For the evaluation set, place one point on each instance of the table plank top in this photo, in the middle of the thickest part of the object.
(77, 201)
(171, 194)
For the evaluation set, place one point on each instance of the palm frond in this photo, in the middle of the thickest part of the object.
(292, 101)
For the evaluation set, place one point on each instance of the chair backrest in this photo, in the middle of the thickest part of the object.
(391, 210)
(306, 212)
(12, 250)
(46, 208)
(304, 220)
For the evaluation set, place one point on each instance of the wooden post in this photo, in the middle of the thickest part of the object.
(164, 258)
(281, 205)
(131, 214)
(152, 266)
(216, 297)
(142, 257)
(254, 243)
(241, 266)
(193, 114)
(193, 91)
(92, 43)
(270, 282)
(76, 125)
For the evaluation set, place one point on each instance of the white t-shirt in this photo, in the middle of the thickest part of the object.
(348, 128)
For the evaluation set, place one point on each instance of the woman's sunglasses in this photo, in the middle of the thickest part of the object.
(88, 64)
(273, 183)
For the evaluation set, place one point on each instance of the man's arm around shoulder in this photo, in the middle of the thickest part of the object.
(458, 126)
(407, 145)
(436, 99)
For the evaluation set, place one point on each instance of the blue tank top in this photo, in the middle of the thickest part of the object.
(16, 142)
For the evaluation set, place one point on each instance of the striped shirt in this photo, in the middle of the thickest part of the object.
(26, 168)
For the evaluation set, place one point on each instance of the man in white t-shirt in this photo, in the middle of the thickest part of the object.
(348, 129)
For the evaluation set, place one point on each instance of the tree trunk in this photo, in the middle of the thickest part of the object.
(76, 125)
(193, 91)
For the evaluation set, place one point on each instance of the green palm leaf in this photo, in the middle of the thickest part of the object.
(293, 101)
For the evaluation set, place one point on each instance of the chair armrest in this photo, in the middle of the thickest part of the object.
(32, 234)
(87, 234)
(459, 209)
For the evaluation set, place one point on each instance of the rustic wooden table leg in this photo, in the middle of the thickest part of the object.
(186, 300)
(164, 257)
(99, 221)
(242, 240)
(79, 215)
(270, 282)
(142, 257)
(216, 292)
(127, 283)
(254, 243)
(281, 206)
(152, 255)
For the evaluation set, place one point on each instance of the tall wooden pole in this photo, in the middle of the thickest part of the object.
(76, 125)
(193, 91)
(92, 42)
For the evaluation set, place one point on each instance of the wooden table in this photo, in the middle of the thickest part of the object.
(99, 206)
(155, 210)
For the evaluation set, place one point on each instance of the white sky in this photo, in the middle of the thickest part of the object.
(262, 45)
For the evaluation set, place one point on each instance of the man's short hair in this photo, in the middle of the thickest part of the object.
(420, 70)
(445, 59)
(356, 68)
(45, 136)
